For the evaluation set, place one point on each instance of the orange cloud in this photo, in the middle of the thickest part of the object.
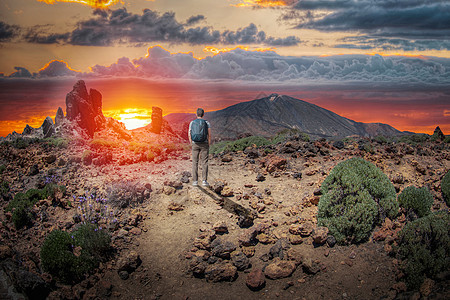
(92, 3)
(215, 51)
(263, 3)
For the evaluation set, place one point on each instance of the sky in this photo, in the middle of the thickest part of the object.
(368, 60)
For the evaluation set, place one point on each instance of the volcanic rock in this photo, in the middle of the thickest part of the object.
(438, 134)
(320, 235)
(222, 249)
(157, 120)
(129, 262)
(84, 108)
(59, 118)
(280, 269)
(255, 280)
(278, 250)
(221, 272)
(47, 127)
(240, 261)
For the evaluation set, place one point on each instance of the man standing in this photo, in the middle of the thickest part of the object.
(200, 139)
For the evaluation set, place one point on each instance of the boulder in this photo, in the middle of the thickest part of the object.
(221, 272)
(255, 280)
(222, 249)
(280, 269)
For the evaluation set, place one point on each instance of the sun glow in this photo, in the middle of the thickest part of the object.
(102, 4)
(215, 51)
(132, 117)
(263, 3)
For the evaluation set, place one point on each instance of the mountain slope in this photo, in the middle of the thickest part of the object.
(268, 116)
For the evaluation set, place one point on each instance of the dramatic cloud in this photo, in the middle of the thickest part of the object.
(8, 32)
(268, 66)
(102, 4)
(21, 73)
(426, 23)
(109, 27)
(56, 68)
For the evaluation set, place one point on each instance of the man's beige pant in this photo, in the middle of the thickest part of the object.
(200, 150)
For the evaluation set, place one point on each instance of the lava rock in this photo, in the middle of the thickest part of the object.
(221, 272)
(240, 261)
(222, 249)
(320, 235)
(279, 269)
(255, 280)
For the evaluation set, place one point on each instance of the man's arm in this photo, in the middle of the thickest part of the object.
(189, 133)
(209, 135)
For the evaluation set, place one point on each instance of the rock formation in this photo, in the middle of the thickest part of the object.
(438, 134)
(85, 108)
(47, 127)
(156, 120)
(59, 118)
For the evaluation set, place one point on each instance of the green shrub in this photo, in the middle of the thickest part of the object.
(58, 142)
(447, 139)
(445, 187)
(414, 139)
(69, 257)
(424, 247)
(416, 201)
(4, 188)
(239, 145)
(2, 169)
(356, 196)
(290, 133)
(102, 143)
(21, 204)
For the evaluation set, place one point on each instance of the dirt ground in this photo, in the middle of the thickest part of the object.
(347, 272)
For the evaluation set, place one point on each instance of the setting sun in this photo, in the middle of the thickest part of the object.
(132, 117)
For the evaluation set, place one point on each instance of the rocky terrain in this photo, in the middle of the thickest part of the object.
(252, 234)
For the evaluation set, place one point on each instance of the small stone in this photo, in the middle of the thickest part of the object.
(295, 239)
(260, 177)
(279, 269)
(352, 255)
(174, 206)
(248, 251)
(310, 266)
(265, 238)
(124, 275)
(220, 227)
(227, 191)
(168, 190)
(320, 235)
(331, 241)
(129, 262)
(255, 280)
(135, 231)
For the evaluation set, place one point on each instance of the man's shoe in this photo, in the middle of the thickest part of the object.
(195, 183)
(205, 183)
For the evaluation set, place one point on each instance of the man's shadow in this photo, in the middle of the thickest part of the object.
(246, 215)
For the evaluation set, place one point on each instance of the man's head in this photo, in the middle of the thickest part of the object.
(200, 112)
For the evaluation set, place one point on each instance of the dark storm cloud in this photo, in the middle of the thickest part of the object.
(107, 28)
(21, 73)
(428, 21)
(194, 20)
(389, 44)
(8, 32)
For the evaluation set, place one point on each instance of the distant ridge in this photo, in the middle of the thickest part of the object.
(269, 115)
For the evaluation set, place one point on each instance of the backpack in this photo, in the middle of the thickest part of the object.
(199, 130)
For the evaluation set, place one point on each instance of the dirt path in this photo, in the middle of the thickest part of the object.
(354, 272)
